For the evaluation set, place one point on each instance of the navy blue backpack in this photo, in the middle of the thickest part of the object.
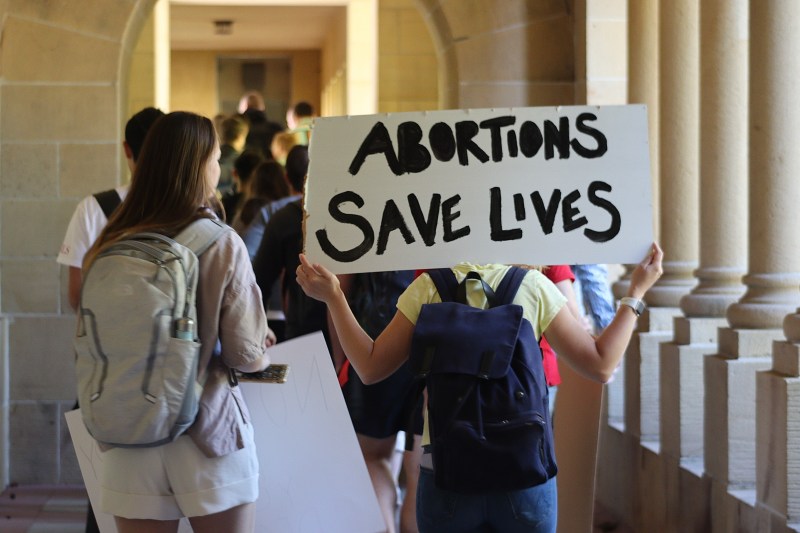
(487, 395)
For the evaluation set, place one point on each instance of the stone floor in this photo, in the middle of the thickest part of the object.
(62, 509)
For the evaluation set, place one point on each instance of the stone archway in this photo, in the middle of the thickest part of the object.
(503, 54)
(61, 101)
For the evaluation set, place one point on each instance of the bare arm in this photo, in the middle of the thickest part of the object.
(372, 360)
(339, 355)
(597, 358)
(74, 287)
(565, 287)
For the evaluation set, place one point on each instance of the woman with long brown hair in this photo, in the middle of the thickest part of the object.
(210, 473)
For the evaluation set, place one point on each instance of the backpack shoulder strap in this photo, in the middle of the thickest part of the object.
(109, 201)
(446, 283)
(201, 234)
(509, 285)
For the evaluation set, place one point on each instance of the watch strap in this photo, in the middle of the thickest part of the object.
(634, 303)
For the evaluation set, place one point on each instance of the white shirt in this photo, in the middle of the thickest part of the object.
(85, 226)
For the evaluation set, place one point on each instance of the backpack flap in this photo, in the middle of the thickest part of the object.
(443, 341)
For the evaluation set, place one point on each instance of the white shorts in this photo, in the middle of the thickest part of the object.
(175, 480)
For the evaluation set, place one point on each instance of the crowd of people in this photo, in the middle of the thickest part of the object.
(256, 288)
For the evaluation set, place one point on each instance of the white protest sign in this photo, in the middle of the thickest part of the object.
(549, 185)
(313, 477)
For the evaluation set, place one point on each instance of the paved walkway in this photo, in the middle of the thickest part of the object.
(62, 509)
(43, 509)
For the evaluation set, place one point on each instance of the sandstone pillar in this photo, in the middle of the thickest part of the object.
(745, 348)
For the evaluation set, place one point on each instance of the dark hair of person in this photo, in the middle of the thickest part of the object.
(246, 163)
(137, 127)
(169, 189)
(303, 109)
(297, 166)
(232, 128)
(267, 183)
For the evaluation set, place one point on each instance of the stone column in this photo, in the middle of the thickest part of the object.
(778, 390)
(678, 73)
(723, 197)
(774, 264)
(643, 89)
(678, 86)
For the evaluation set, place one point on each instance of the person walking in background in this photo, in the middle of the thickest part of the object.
(594, 294)
(282, 143)
(233, 135)
(210, 473)
(277, 258)
(299, 119)
(259, 137)
(243, 168)
(90, 216)
(267, 184)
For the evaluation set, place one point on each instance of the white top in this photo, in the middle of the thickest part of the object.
(85, 226)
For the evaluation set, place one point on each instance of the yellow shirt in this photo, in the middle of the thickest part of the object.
(539, 297)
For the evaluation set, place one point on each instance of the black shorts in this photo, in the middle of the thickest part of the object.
(381, 410)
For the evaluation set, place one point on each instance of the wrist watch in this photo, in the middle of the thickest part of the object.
(634, 303)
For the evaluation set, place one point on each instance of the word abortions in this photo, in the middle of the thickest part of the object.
(411, 156)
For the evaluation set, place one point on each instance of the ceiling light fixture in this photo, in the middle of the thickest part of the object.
(223, 27)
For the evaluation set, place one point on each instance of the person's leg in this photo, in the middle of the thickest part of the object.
(139, 525)
(408, 510)
(240, 519)
(378, 455)
(532, 510)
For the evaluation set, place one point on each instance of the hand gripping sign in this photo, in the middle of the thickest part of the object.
(549, 185)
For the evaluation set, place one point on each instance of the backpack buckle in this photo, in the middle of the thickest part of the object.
(427, 362)
(486, 364)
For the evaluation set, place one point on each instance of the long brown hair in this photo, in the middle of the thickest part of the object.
(169, 189)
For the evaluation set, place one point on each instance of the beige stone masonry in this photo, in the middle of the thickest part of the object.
(643, 89)
(723, 158)
(516, 54)
(682, 387)
(642, 384)
(786, 358)
(58, 112)
(43, 362)
(778, 473)
(42, 239)
(474, 17)
(63, 54)
(730, 418)
(28, 170)
(658, 319)
(679, 159)
(697, 330)
(733, 510)
(5, 441)
(91, 17)
(774, 121)
(739, 343)
(34, 454)
(30, 286)
(87, 168)
(478, 95)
